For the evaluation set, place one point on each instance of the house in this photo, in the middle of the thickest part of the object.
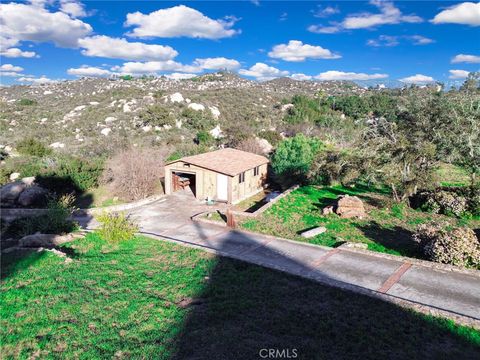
(227, 175)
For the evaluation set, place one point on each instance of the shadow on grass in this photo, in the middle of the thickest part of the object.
(245, 308)
(396, 238)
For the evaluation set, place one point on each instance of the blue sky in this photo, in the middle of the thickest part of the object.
(376, 41)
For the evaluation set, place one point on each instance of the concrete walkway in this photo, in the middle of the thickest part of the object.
(407, 282)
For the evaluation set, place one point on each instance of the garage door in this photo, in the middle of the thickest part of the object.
(222, 187)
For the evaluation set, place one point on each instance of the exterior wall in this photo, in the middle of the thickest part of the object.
(251, 185)
(206, 182)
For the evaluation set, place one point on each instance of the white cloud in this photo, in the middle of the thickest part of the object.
(295, 50)
(322, 12)
(10, 67)
(384, 40)
(387, 40)
(180, 76)
(417, 79)
(319, 29)
(22, 22)
(341, 75)
(9, 74)
(88, 71)
(152, 67)
(389, 14)
(217, 63)
(41, 80)
(474, 59)
(467, 13)
(458, 74)
(73, 8)
(420, 40)
(116, 48)
(17, 53)
(263, 72)
(301, 77)
(179, 21)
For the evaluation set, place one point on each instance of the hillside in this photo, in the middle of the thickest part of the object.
(79, 116)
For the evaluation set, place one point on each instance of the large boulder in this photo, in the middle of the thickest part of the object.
(34, 195)
(349, 207)
(45, 240)
(9, 193)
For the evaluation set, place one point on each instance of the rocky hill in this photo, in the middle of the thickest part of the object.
(97, 115)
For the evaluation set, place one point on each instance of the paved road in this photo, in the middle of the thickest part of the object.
(455, 292)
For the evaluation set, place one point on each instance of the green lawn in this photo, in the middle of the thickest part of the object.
(388, 228)
(154, 300)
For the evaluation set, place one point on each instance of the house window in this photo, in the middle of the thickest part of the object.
(241, 177)
(256, 171)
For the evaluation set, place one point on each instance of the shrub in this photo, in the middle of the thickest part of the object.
(456, 246)
(271, 136)
(135, 173)
(126, 77)
(55, 221)
(250, 145)
(71, 174)
(33, 147)
(198, 120)
(449, 201)
(156, 115)
(116, 227)
(27, 102)
(204, 138)
(294, 156)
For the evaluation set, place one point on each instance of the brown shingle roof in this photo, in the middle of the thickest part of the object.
(226, 161)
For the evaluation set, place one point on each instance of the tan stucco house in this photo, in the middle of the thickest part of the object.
(228, 175)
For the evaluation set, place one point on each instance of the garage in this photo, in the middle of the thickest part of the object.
(225, 175)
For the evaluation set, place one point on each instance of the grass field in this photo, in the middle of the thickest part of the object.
(388, 227)
(154, 300)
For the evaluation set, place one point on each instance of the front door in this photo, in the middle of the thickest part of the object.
(222, 187)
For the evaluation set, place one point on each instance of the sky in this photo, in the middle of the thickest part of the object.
(376, 42)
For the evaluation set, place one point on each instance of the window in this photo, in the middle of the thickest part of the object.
(241, 177)
(256, 171)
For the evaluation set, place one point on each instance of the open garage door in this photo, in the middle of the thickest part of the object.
(184, 181)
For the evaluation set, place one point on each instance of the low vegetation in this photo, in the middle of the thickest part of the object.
(149, 299)
(388, 228)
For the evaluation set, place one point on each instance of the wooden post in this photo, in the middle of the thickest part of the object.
(230, 220)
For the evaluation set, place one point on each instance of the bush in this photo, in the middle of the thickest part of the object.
(135, 173)
(198, 120)
(156, 115)
(27, 102)
(69, 174)
(116, 227)
(293, 158)
(204, 138)
(449, 201)
(250, 145)
(457, 246)
(32, 147)
(55, 221)
(271, 136)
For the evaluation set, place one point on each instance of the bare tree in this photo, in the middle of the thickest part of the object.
(135, 173)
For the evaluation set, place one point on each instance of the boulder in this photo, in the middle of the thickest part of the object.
(9, 193)
(34, 195)
(313, 232)
(45, 240)
(327, 210)
(349, 207)
(14, 176)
